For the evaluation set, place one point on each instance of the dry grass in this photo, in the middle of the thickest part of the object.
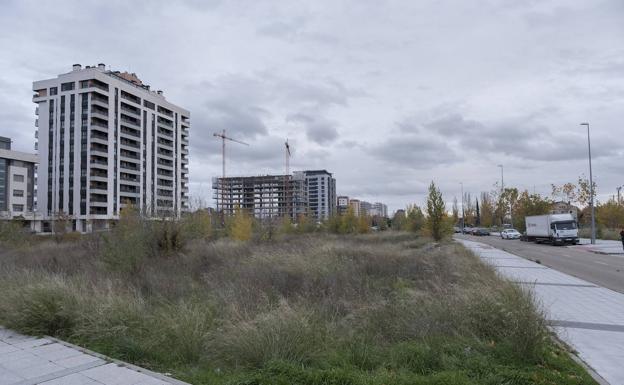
(303, 308)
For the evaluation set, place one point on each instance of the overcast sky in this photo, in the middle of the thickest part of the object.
(386, 95)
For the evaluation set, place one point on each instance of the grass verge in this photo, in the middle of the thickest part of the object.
(385, 308)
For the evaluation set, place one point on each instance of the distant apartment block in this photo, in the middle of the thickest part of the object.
(354, 204)
(342, 204)
(321, 191)
(106, 140)
(365, 207)
(265, 196)
(379, 209)
(312, 193)
(17, 182)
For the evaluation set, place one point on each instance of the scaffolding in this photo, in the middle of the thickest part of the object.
(267, 196)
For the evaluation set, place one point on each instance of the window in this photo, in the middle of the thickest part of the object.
(18, 178)
(18, 208)
(53, 91)
(149, 105)
(18, 193)
(68, 86)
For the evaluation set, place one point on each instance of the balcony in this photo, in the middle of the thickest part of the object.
(131, 110)
(164, 111)
(130, 132)
(162, 131)
(165, 122)
(99, 113)
(100, 125)
(132, 123)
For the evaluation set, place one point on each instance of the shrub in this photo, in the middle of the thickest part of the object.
(241, 226)
(127, 244)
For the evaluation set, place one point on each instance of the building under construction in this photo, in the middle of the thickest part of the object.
(266, 196)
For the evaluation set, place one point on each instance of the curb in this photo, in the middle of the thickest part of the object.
(139, 369)
(572, 353)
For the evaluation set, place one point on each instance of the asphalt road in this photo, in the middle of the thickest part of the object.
(602, 270)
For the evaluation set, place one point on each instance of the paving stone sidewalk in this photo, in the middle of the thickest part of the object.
(587, 317)
(28, 360)
(602, 246)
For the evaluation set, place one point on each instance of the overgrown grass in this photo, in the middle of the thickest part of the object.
(385, 308)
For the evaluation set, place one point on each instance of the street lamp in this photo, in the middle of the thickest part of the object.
(591, 190)
(462, 204)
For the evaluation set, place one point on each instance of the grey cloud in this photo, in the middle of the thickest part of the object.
(415, 151)
(317, 128)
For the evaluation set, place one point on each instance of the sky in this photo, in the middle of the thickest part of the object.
(388, 96)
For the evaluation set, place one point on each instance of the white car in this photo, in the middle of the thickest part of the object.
(510, 234)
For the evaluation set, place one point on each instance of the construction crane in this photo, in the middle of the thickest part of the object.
(223, 139)
(287, 157)
(286, 176)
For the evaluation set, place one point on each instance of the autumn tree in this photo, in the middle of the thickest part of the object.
(487, 210)
(415, 219)
(437, 223)
(529, 204)
(455, 211)
(610, 214)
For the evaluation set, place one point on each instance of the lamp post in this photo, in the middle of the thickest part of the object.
(502, 190)
(591, 190)
(462, 204)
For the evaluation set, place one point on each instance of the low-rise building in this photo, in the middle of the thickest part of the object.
(17, 182)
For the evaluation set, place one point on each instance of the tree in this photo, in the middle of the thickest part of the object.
(468, 210)
(455, 211)
(399, 222)
(527, 205)
(565, 192)
(610, 215)
(363, 224)
(436, 213)
(60, 226)
(349, 222)
(415, 219)
(487, 210)
(478, 214)
(584, 191)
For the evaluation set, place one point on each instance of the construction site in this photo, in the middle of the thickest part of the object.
(265, 196)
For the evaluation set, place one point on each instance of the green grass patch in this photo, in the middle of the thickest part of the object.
(384, 308)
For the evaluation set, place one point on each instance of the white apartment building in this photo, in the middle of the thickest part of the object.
(17, 182)
(379, 209)
(106, 140)
(321, 191)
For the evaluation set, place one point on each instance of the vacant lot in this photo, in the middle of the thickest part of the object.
(388, 308)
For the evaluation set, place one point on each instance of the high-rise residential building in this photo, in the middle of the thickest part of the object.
(343, 204)
(106, 140)
(321, 191)
(355, 206)
(365, 208)
(17, 182)
(379, 209)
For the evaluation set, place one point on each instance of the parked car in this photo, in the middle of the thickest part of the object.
(481, 232)
(468, 230)
(510, 234)
(457, 229)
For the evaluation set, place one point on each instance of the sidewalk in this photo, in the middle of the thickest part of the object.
(587, 317)
(602, 246)
(29, 361)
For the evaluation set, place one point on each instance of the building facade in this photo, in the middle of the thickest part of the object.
(17, 182)
(342, 204)
(355, 206)
(379, 209)
(321, 191)
(265, 196)
(106, 140)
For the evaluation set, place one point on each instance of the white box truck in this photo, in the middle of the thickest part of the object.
(557, 229)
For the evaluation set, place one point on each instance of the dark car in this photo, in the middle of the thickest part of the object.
(481, 232)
